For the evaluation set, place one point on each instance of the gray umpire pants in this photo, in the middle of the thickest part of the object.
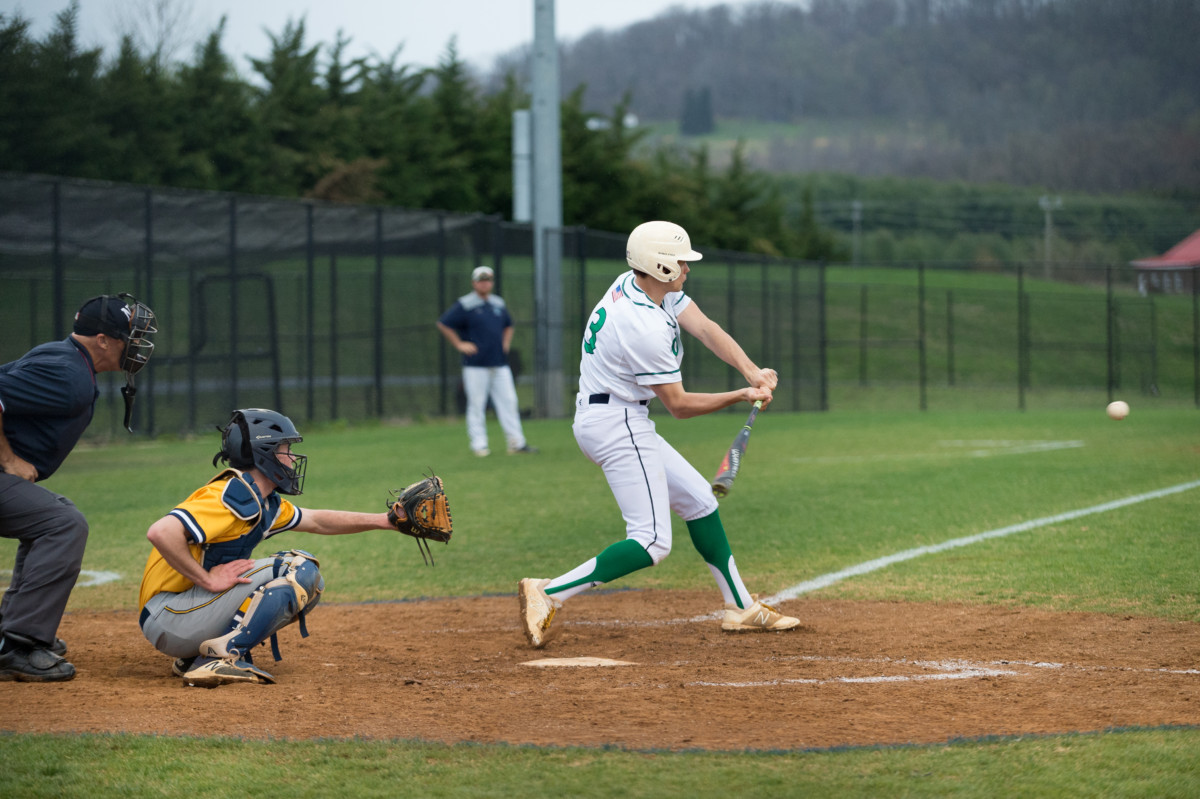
(51, 535)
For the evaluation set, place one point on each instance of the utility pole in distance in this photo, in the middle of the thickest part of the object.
(1049, 205)
(547, 215)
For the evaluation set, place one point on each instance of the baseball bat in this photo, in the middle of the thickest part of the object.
(733, 456)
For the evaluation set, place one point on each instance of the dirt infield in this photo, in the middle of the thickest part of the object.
(455, 670)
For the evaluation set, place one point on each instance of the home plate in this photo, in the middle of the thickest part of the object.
(550, 662)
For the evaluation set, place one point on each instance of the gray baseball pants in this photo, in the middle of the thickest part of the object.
(51, 535)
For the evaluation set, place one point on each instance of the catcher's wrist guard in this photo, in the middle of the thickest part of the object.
(422, 511)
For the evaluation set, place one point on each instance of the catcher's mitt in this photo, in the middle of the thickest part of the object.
(421, 510)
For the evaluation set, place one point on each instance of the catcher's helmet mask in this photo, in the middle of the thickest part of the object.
(251, 439)
(656, 248)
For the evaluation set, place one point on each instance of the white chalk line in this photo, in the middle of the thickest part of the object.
(826, 580)
(940, 670)
(86, 579)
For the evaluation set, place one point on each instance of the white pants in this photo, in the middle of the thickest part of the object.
(648, 478)
(481, 382)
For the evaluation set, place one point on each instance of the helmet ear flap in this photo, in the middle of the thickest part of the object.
(235, 443)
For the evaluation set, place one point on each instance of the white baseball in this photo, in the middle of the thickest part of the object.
(1117, 410)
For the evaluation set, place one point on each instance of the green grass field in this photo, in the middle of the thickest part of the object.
(818, 493)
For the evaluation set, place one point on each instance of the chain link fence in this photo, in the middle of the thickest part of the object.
(327, 312)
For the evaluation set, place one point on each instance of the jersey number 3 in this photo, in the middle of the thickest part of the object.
(589, 343)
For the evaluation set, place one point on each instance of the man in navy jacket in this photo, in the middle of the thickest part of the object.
(47, 399)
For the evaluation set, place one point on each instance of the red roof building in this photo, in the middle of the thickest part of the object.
(1174, 271)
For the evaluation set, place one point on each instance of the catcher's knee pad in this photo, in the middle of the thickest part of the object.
(302, 571)
(294, 590)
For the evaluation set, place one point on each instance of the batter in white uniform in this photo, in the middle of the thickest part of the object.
(631, 353)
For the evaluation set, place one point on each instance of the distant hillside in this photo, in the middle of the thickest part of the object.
(1093, 95)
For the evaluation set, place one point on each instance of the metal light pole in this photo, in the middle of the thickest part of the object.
(547, 214)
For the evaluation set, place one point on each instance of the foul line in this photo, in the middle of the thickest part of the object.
(826, 580)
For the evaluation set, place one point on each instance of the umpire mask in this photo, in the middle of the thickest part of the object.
(121, 317)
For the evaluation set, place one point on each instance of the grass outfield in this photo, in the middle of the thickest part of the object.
(818, 493)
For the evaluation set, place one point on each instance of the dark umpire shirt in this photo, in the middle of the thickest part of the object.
(48, 396)
(482, 322)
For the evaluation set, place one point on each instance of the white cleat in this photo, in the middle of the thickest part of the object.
(757, 617)
(537, 611)
(209, 672)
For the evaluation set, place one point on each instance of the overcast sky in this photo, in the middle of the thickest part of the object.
(484, 28)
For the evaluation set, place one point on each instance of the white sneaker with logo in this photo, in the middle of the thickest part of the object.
(757, 617)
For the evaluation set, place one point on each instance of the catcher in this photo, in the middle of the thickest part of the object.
(205, 600)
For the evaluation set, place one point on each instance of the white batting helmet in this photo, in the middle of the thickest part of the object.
(656, 248)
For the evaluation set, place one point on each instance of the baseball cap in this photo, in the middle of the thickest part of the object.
(482, 272)
(106, 314)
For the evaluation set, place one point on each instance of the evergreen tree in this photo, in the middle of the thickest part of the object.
(221, 146)
(290, 111)
(396, 132)
(136, 110)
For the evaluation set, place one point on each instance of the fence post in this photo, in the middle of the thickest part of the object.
(497, 253)
(60, 326)
(580, 251)
(950, 337)
(234, 334)
(334, 327)
(379, 312)
(1196, 336)
(824, 337)
(795, 306)
(443, 370)
(729, 316)
(192, 298)
(1022, 352)
(766, 355)
(921, 332)
(149, 217)
(862, 334)
(310, 342)
(1111, 317)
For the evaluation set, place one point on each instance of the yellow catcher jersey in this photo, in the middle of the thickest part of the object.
(224, 520)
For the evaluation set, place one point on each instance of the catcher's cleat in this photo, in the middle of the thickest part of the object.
(209, 672)
(523, 450)
(33, 664)
(182, 666)
(757, 617)
(537, 611)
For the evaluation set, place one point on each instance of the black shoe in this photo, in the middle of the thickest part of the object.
(525, 450)
(34, 664)
(59, 647)
(182, 666)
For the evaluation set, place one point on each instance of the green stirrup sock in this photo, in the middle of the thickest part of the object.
(708, 537)
(616, 561)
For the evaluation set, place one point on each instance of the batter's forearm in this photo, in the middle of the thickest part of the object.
(685, 405)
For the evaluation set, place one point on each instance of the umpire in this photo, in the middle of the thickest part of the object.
(47, 399)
